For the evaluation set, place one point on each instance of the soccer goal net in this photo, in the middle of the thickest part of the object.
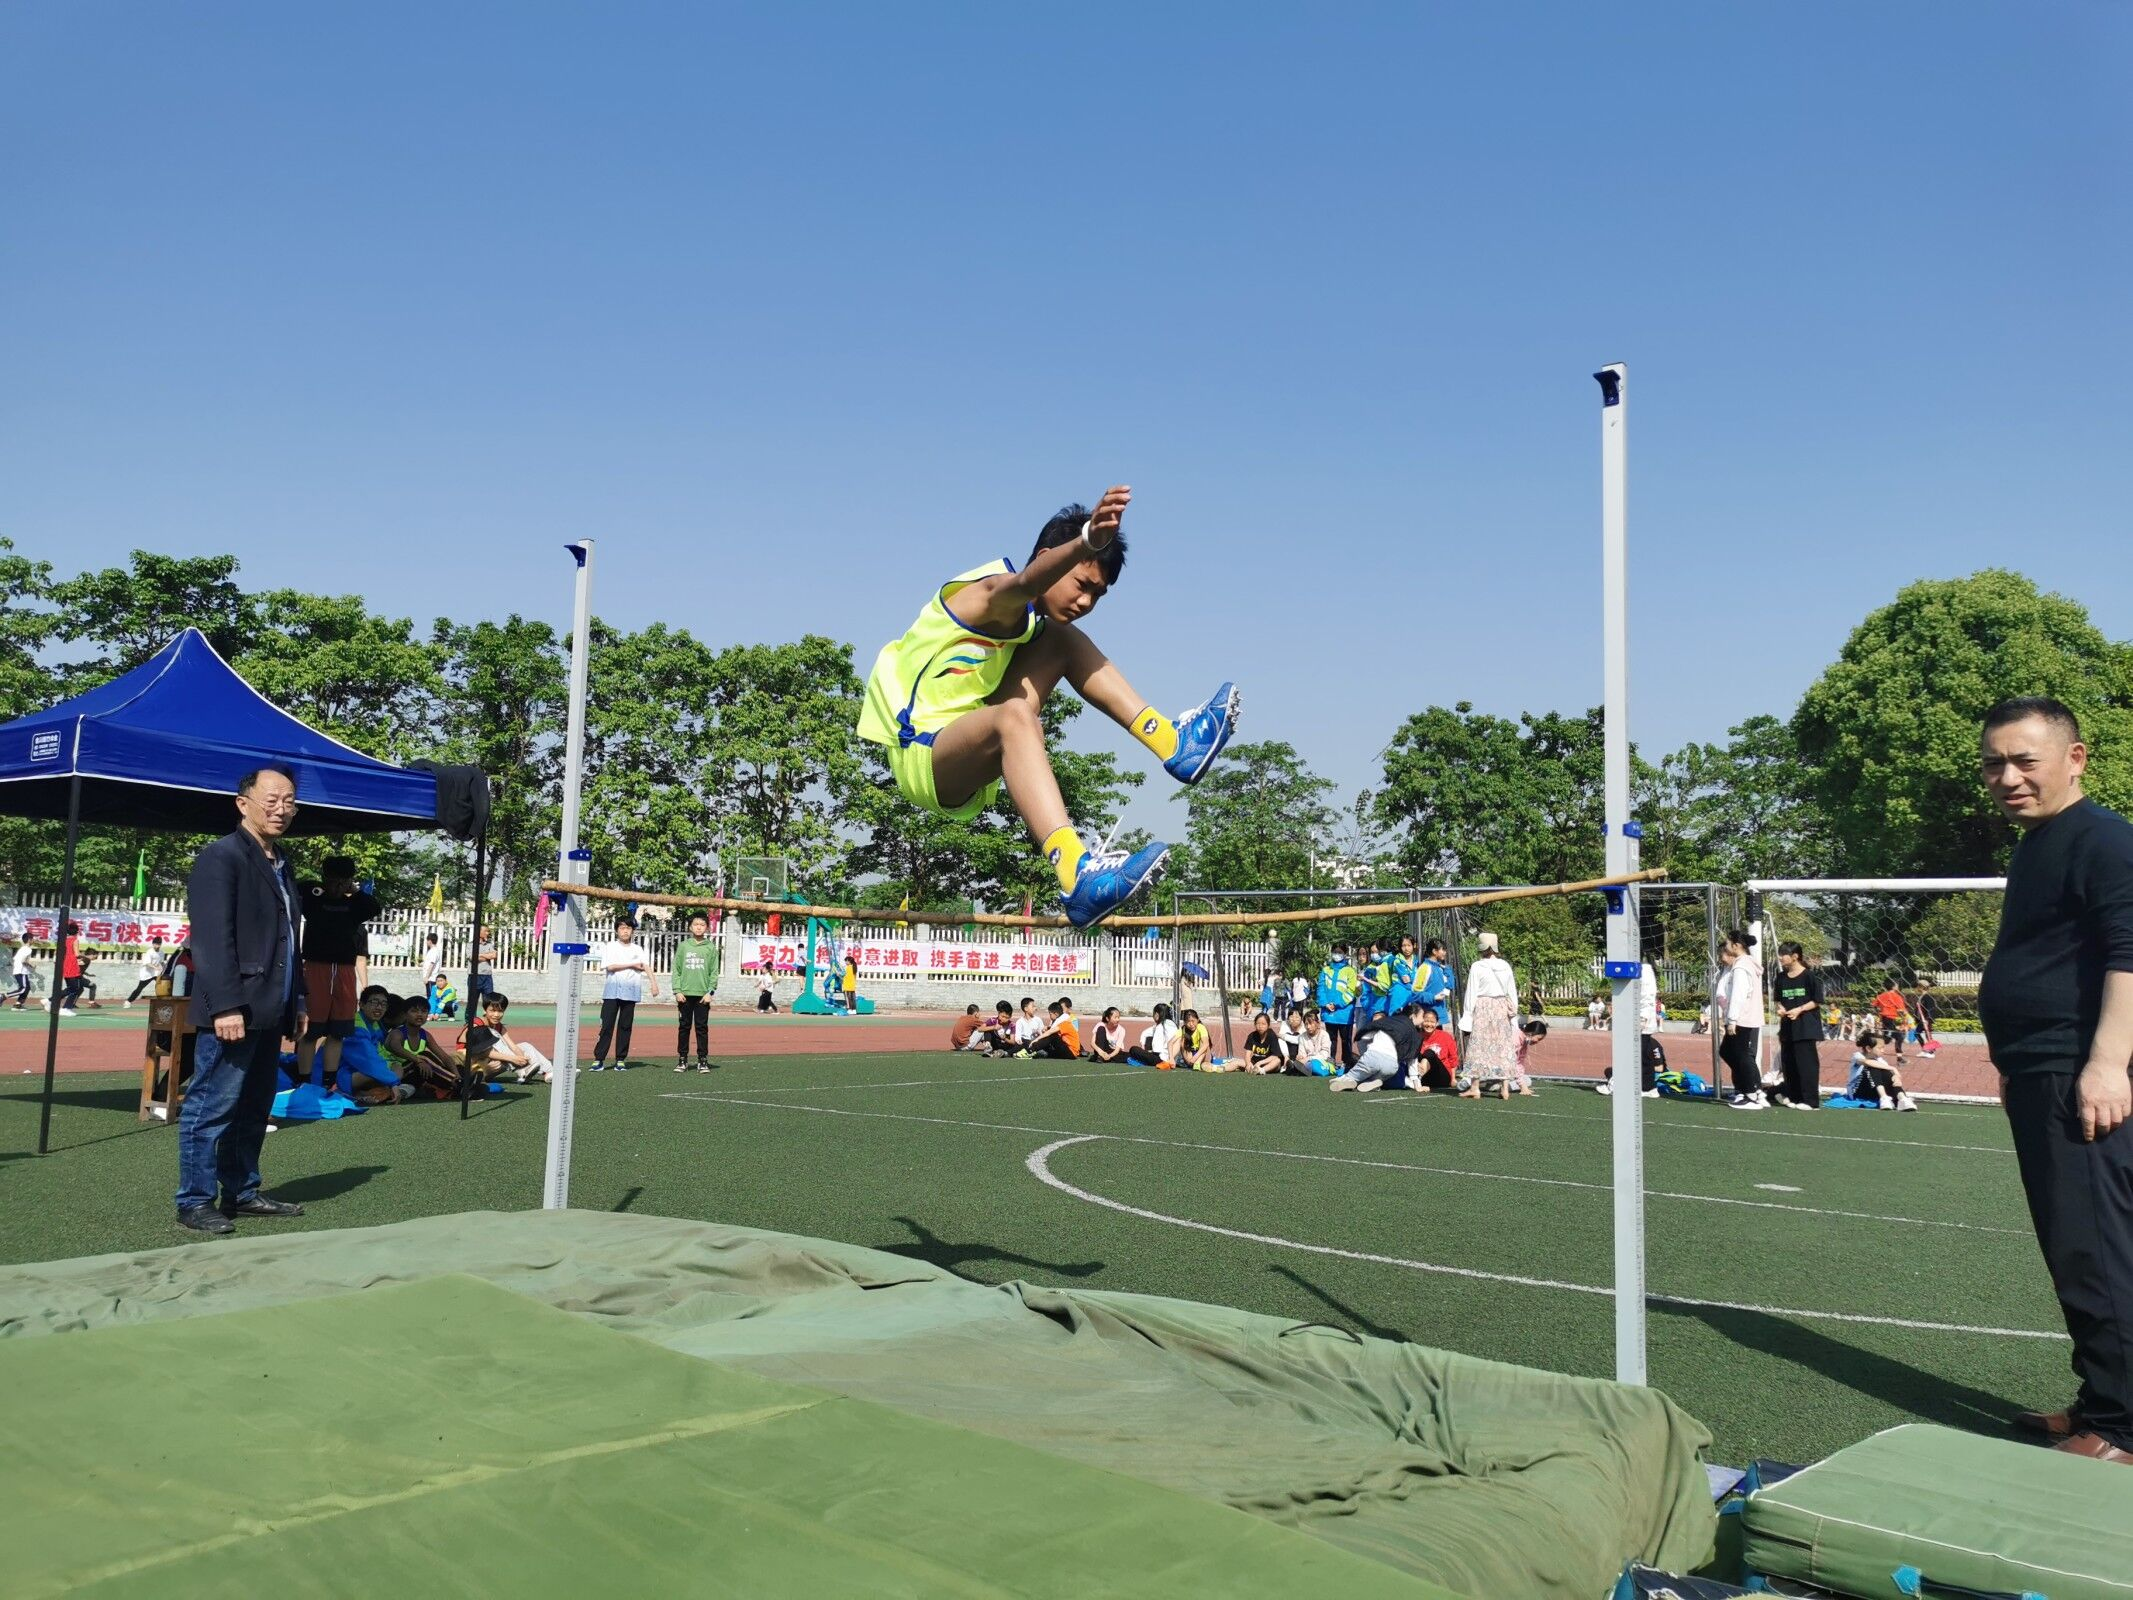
(1899, 956)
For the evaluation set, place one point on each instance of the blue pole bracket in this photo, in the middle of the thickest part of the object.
(1615, 901)
(1625, 971)
(571, 949)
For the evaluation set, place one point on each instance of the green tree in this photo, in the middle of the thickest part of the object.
(1475, 798)
(1733, 811)
(1255, 820)
(1888, 734)
(780, 749)
(331, 662)
(126, 614)
(505, 691)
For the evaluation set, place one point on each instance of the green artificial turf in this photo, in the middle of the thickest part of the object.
(931, 1155)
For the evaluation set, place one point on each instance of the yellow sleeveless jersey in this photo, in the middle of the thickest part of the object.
(939, 669)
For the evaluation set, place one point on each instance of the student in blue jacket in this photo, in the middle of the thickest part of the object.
(1338, 986)
(1403, 975)
(1435, 980)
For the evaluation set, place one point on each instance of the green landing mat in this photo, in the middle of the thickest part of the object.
(1484, 1479)
(448, 1437)
(1966, 1514)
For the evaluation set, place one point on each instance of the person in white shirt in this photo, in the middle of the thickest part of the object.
(432, 964)
(1299, 990)
(23, 971)
(148, 971)
(1029, 1026)
(1159, 1040)
(1741, 1047)
(1593, 1012)
(1314, 1045)
(1651, 1057)
(1490, 1021)
(629, 975)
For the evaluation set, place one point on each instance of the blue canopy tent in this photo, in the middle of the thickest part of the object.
(163, 747)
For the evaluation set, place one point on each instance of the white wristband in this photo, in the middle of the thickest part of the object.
(1088, 543)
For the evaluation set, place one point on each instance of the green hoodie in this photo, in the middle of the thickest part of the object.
(695, 967)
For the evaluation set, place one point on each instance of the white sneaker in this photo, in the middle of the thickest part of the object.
(1905, 1103)
(1341, 1082)
(1603, 1088)
(1747, 1102)
(1369, 1084)
(1651, 1094)
(66, 1011)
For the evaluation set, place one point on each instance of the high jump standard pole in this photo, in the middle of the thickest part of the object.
(1624, 959)
(574, 866)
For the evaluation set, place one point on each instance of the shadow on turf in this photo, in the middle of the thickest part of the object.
(1925, 1395)
(325, 1185)
(126, 1099)
(1349, 1315)
(930, 1247)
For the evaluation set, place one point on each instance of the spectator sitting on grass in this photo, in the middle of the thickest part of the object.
(997, 1036)
(1263, 1052)
(1315, 1046)
(1437, 1062)
(1195, 1052)
(1387, 1047)
(1061, 1038)
(1289, 1032)
(1877, 1073)
(1109, 1040)
(528, 1064)
(367, 1075)
(965, 1034)
(1158, 1040)
(1028, 1025)
(411, 1050)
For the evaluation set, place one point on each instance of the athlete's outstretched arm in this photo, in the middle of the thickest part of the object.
(999, 601)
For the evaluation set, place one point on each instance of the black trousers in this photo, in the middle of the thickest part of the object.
(696, 1009)
(1343, 1042)
(617, 1017)
(1053, 1048)
(1802, 1061)
(2081, 1203)
(1651, 1057)
(1739, 1051)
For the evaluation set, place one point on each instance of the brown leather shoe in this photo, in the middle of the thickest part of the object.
(2052, 1424)
(2096, 1448)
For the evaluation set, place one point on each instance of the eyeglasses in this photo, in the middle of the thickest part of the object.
(278, 807)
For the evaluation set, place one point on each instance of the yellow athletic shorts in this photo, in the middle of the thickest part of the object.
(913, 766)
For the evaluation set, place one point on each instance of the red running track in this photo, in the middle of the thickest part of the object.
(111, 1041)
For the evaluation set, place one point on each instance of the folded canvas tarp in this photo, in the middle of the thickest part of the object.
(468, 1441)
(1485, 1479)
(1926, 1510)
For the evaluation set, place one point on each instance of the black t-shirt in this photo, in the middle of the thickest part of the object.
(333, 923)
(1793, 992)
(1406, 1042)
(2066, 921)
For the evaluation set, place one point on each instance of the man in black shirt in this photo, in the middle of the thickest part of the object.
(2057, 1006)
(334, 913)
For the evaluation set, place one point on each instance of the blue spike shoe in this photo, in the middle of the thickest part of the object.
(1108, 879)
(1202, 732)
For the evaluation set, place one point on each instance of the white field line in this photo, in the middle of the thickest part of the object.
(938, 1083)
(1359, 1161)
(1039, 1165)
(1397, 1098)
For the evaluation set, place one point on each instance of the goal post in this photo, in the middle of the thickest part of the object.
(1902, 956)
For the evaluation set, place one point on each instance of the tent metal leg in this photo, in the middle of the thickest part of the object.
(59, 965)
(474, 997)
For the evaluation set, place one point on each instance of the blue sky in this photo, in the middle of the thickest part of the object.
(800, 309)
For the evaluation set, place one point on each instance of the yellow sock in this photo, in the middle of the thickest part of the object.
(1156, 731)
(1063, 849)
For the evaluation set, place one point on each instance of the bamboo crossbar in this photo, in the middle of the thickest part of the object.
(1193, 919)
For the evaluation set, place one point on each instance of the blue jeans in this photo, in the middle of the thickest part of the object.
(223, 1121)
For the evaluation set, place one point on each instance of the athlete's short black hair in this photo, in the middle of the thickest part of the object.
(2023, 707)
(1065, 528)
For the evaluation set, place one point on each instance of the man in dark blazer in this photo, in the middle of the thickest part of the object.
(246, 997)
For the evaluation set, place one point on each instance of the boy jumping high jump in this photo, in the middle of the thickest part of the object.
(957, 700)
